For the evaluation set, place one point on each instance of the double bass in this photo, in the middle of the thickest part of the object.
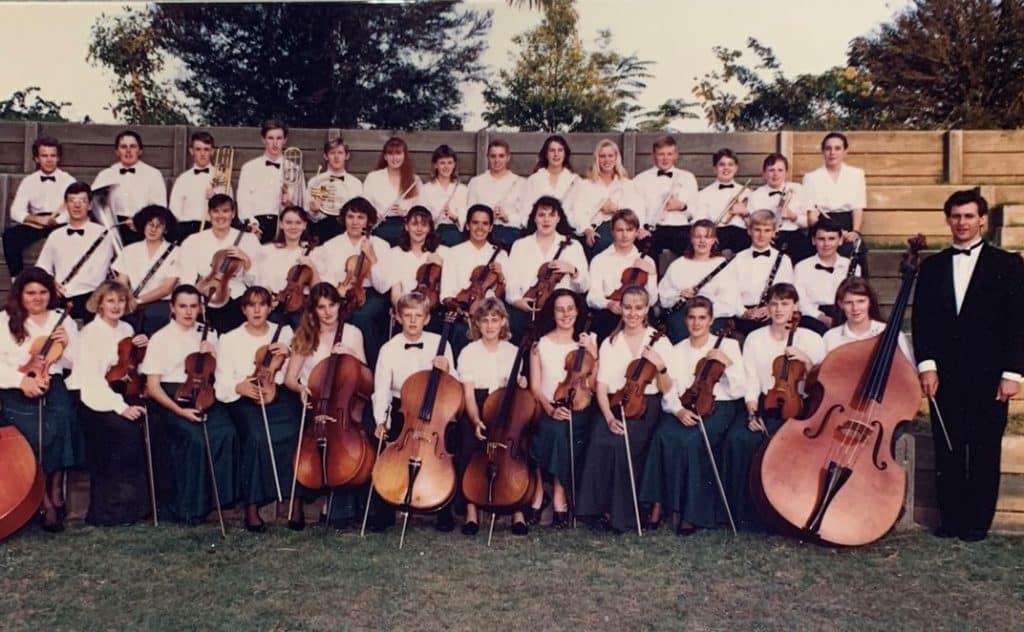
(833, 476)
(23, 483)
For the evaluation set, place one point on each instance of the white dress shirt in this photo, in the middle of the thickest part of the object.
(260, 186)
(712, 200)
(378, 189)
(196, 258)
(135, 262)
(656, 191)
(133, 190)
(461, 260)
(750, 274)
(552, 364)
(843, 194)
(760, 350)
(487, 369)
(345, 185)
(330, 260)
(614, 358)
(272, 265)
(167, 349)
(526, 258)
(539, 184)
(606, 276)
(396, 363)
(435, 197)
(236, 354)
(500, 193)
(682, 368)
(683, 274)
(403, 265)
(817, 286)
(767, 198)
(14, 355)
(99, 341)
(36, 196)
(588, 196)
(189, 201)
(62, 251)
(841, 335)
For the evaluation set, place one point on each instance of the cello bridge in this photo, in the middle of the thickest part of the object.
(853, 431)
(419, 435)
(321, 419)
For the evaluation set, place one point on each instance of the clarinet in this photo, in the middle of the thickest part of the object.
(88, 253)
(771, 276)
(700, 285)
(156, 266)
(854, 259)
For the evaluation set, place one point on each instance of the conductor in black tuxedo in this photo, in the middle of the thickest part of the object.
(968, 331)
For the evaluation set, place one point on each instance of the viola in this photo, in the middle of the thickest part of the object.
(44, 352)
(547, 280)
(833, 476)
(700, 396)
(482, 279)
(631, 276)
(357, 270)
(498, 474)
(415, 471)
(124, 377)
(787, 372)
(267, 365)
(639, 374)
(576, 390)
(428, 282)
(299, 279)
(223, 268)
(22, 484)
(197, 389)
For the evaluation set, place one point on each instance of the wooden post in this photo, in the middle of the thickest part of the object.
(31, 132)
(955, 156)
(629, 151)
(333, 132)
(180, 154)
(784, 145)
(483, 136)
(5, 183)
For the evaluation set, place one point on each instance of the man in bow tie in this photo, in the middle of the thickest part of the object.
(790, 203)
(817, 278)
(724, 202)
(135, 185)
(192, 190)
(38, 203)
(755, 270)
(262, 192)
(670, 198)
(328, 191)
(968, 324)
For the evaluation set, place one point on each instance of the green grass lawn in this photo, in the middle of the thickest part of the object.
(175, 578)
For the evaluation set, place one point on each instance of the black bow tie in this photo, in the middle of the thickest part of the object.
(414, 345)
(203, 170)
(725, 186)
(665, 172)
(763, 253)
(271, 163)
(829, 269)
(48, 179)
(333, 178)
(125, 170)
(967, 251)
(76, 231)
(771, 193)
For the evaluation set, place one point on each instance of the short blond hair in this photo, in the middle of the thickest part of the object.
(413, 300)
(490, 306)
(111, 287)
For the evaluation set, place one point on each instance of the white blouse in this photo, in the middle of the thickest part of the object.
(497, 193)
(682, 368)
(760, 350)
(196, 258)
(590, 195)
(403, 265)
(14, 355)
(539, 184)
(351, 337)
(685, 273)
(848, 191)
(455, 196)
(330, 260)
(461, 260)
(236, 353)
(552, 364)
(615, 356)
(841, 335)
(99, 342)
(606, 276)
(272, 266)
(135, 262)
(487, 369)
(378, 189)
(165, 354)
(526, 258)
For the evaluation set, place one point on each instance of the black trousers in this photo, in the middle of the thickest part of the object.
(674, 238)
(798, 244)
(128, 235)
(16, 239)
(268, 227)
(185, 230)
(733, 238)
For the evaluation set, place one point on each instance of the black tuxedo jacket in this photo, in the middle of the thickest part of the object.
(974, 347)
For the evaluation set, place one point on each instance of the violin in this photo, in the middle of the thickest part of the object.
(547, 280)
(428, 282)
(783, 395)
(267, 364)
(197, 389)
(700, 396)
(576, 391)
(415, 471)
(499, 474)
(833, 476)
(299, 279)
(631, 276)
(639, 375)
(482, 279)
(223, 268)
(357, 270)
(44, 352)
(124, 377)
(335, 450)
(23, 484)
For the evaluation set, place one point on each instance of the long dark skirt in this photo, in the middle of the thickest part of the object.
(255, 471)
(604, 484)
(63, 446)
(372, 321)
(390, 230)
(738, 450)
(505, 236)
(450, 236)
(116, 459)
(192, 499)
(602, 240)
(678, 473)
(153, 317)
(549, 446)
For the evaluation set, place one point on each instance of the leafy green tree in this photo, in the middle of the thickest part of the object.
(660, 119)
(397, 66)
(28, 105)
(130, 47)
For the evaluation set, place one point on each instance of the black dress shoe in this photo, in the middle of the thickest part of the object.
(471, 528)
(259, 527)
(944, 532)
(560, 520)
(298, 525)
(51, 527)
(533, 514)
(445, 521)
(973, 535)
(520, 528)
(684, 529)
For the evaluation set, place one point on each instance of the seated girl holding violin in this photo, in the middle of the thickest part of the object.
(113, 425)
(205, 257)
(860, 317)
(564, 399)
(313, 342)
(165, 371)
(38, 342)
(678, 479)
(632, 360)
(416, 263)
(616, 268)
(291, 247)
(336, 263)
(246, 383)
(150, 268)
(768, 352)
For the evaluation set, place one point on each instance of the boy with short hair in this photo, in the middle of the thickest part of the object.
(818, 278)
(755, 270)
(726, 199)
(193, 189)
(135, 185)
(670, 198)
(261, 187)
(331, 189)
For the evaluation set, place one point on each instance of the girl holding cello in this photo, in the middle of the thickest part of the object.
(445, 196)
(116, 454)
(313, 342)
(260, 414)
(760, 350)
(393, 189)
(677, 476)
(289, 248)
(484, 366)
(560, 337)
(150, 267)
(165, 371)
(31, 318)
(419, 245)
(605, 488)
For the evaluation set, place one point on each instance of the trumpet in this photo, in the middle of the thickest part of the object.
(784, 200)
(291, 172)
(734, 199)
(220, 174)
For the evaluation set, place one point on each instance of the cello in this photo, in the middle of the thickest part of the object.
(783, 395)
(833, 476)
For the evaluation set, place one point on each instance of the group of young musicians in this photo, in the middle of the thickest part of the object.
(760, 273)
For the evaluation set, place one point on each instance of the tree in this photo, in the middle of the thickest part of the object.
(660, 119)
(323, 64)
(28, 105)
(129, 46)
(556, 85)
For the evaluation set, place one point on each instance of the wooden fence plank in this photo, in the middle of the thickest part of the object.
(901, 142)
(877, 164)
(983, 166)
(997, 141)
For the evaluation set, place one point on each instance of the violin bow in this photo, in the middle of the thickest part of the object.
(369, 493)
(629, 464)
(213, 478)
(295, 470)
(718, 476)
(942, 424)
(572, 465)
(149, 461)
(270, 441)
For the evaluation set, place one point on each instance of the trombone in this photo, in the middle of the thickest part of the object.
(220, 174)
(291, 171)
(733, 200)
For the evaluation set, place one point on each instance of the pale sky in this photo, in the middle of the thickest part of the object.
(45, 44)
